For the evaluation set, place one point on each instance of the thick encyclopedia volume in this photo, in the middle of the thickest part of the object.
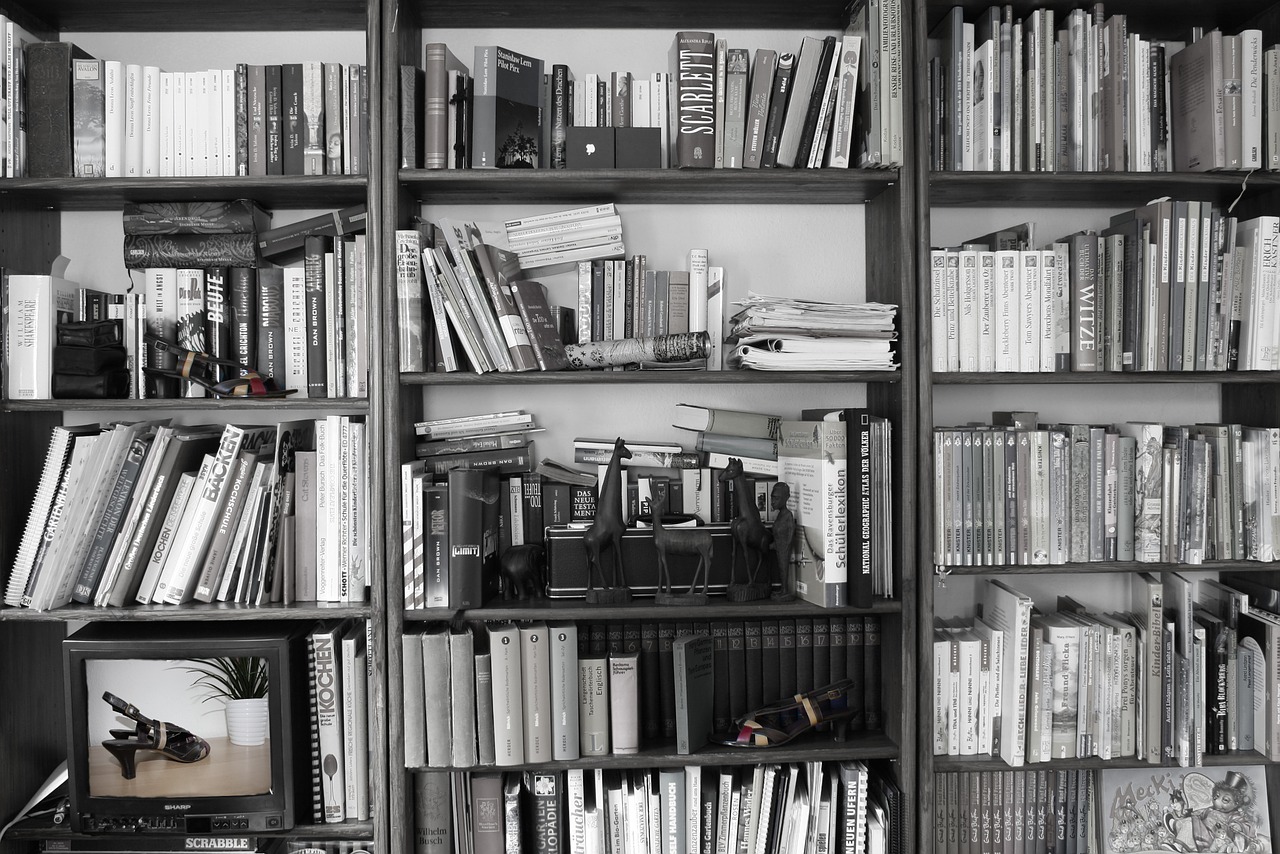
(49, 110)
(694, 80)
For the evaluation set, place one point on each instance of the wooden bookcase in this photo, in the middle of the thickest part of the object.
(40, 218)
(879, 208)
(956, 205)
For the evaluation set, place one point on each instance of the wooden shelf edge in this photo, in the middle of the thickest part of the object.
(192, 611)
(1125, 377)
(1087, 189)
(468, 378)
(1107, 567)
(943, 764)
(240, 404)
(293, 191)
(578, 609)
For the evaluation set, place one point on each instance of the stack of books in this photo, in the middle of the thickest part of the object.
(786, 334)
(557, 241)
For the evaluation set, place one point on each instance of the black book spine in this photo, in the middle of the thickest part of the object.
(613, 638)
(274, 121)
(737, 670)
(821, 652)
(48, 82)
(786, 657)
(754, 664)
(871, 669)
(856, 670)
(770, 660)
(293, 124)
(533, 519)
(816, 100)
(667, 671)
(412, 83)
(467, 490)
(217, 317)
(190, 250)
(117, 503)
(804, 655)
(271, 322)
(599, 644)
(242, 288)
(650, 674)
(777, 109)
(708, 805)
(720, 709)
(314, 248)
(242, 118)
(838, 652)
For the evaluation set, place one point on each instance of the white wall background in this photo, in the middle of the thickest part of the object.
(161, 689)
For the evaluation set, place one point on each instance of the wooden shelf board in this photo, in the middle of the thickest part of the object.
(467, 378)
(645, 609)
(994, 763)
(1126, 377)
(1152, 18)
(653, 14)
(194, 611)
(307, 404)
(205, 16)
(806, 748)
(1109, 567)
(1088, 189)
(39, 828)
(718, 186)
(92, 194)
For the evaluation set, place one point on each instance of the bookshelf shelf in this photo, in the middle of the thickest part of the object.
(195, 404)
(663, 14)
(216, 15)
(349, 830)
(1090, 189)
(1128, 378)
(1106, 567)
(649, 377)
(647, 186)
(716, 609)
(84, 194)
(970, 763)
(864, 746)
(201, 612)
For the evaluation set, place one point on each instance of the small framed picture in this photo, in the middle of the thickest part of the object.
(1184, 810)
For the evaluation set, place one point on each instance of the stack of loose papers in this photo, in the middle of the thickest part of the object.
(783, 334)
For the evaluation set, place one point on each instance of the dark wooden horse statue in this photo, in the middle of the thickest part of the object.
(606, 530)
(748, 529)
(680, 541)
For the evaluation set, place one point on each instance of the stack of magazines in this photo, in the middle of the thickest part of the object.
(783, 334)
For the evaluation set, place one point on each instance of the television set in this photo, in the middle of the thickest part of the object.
(154, 747)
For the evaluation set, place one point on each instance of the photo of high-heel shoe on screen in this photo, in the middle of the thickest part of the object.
(165, 729)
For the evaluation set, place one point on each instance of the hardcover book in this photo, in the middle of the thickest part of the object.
(439, 61)
(88, 114)
(694, 93)
(813, 460)
(695, 679)
(507, 109)
(51, 67)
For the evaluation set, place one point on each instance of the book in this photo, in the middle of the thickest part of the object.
(726, 421)
(813, 460)
(236, 216)
(36, 304)
(544, 336)
(624, 717)
(693, 81)
(694, 690)
(325, 647)
(763, 68)
(506, 111)
(508, 701)
(1196, 105)
(88, 115)
(50, 69)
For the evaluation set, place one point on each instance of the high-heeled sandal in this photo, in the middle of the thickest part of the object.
(780, 722)
(168, 739)
(203, 370)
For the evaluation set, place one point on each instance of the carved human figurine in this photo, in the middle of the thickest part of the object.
(784, 530)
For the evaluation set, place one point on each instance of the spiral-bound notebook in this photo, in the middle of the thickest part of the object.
(61, 443)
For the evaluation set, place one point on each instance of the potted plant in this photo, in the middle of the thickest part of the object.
(241, 682)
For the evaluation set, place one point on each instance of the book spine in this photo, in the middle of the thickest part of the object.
(270, 346)
(190, 250)
(693, 79)
(88, 109)
(317, 321)
(624, 717)
(328, 686)
(49, 108)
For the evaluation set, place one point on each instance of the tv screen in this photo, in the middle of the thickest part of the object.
(184, 728)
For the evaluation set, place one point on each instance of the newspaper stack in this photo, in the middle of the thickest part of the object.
(783, 334)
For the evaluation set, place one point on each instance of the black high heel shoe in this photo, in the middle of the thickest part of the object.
(780, 722)
(169, 740)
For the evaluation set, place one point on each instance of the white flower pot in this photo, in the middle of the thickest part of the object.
(247, 721)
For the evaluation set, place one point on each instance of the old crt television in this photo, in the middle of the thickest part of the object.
(162, 753)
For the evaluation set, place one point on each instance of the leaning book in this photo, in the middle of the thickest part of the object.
(813, 459)
(1223, 808)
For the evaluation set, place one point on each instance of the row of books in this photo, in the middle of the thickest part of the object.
(1018, 493)
(596, 689)
(829, 808)
(95, 118)
(1084, 93)
(714, 108)
(1177, 286)
(153, 513)
(1114, 809)
(339, 665)
(1180, 675)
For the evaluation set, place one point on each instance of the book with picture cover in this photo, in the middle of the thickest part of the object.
(506, 119)
(813, 459)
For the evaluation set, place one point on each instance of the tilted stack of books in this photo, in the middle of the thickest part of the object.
(785, 334)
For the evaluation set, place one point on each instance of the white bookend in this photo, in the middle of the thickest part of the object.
(535, 673)
(325, 646)
(462, 698)
(415, 704)
(565, 704)
(508, 701)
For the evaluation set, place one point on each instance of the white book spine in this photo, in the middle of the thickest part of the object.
(535, 687)
(508, 703)
(1251, 90)
(295, 328)
(355, 723)
(150, 124)
(115, 92)
(564, 690)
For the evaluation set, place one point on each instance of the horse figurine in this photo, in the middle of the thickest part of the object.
(680, 541)
(606, 532)
(750, 532)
